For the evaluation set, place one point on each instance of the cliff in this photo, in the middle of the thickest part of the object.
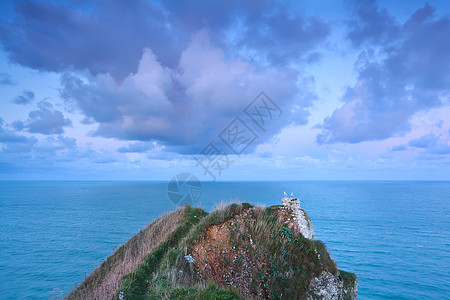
(235, 252)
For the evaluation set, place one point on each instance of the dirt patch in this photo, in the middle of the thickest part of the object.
(228, 255)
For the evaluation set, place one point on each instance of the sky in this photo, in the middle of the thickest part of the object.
(225, 90)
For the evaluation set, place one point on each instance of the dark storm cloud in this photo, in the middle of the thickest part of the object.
(109, 36)
(26, 97)
(408, 75)
(45, 120)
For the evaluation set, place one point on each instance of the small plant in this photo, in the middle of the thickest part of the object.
(286, 233)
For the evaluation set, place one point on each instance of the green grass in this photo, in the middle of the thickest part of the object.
(135, 285)
(195, 293)
(293, 259)
(217, 217)
(349, 280)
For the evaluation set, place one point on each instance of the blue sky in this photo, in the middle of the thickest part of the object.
(143, 90)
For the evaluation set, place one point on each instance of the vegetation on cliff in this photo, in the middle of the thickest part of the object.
(104, 281)
(236, 252)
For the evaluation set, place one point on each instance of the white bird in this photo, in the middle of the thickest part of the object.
(285, 194)
(292, 195)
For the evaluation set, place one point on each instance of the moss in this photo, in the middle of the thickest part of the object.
(349, 280)
(294, 260)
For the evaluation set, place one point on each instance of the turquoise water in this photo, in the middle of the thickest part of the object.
(394, 235)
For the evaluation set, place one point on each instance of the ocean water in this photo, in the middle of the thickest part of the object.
(394, 235)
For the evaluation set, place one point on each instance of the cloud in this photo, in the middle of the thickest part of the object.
(20, 153)
(103, 157)
(440, 149)
(399, 148)
(172, 72)
(108, 36)
(185, 107)
(430, 143)
(67, 142)
(26, 97)
(14, 143)
(45, 120)
(268, 32)
(138, 147)
(373, 25)
(424, 141)
(54, 154)
(408, 75)
(94, 35)
(5, 79)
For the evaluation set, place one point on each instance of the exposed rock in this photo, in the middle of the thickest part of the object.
(291, 202)
(330, 287)
(326, 287)
(304, 224)
(350, 281)
(303, 220)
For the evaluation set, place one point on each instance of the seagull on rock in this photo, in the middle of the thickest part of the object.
(285, 194)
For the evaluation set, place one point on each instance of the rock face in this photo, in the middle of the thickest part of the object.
(330, 287)
(326, 287)
(303, 220)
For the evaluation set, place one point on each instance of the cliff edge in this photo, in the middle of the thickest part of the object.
(236, 252)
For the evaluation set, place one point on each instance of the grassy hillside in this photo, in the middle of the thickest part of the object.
(104, 281)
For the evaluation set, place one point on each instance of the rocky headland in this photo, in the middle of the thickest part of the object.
(236, 252)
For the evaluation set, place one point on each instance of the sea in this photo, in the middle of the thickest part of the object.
(395, 235)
